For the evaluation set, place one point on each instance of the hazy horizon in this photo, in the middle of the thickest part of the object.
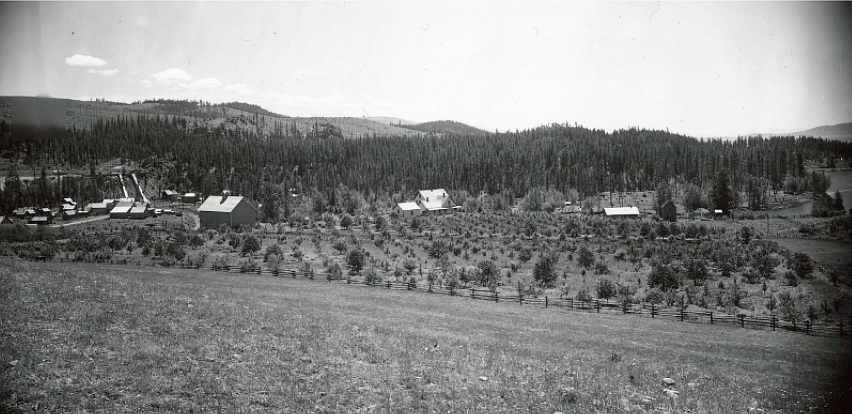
(700, 69)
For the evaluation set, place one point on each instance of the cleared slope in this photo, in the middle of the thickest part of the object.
(111, 338)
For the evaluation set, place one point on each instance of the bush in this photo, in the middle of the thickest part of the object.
(544, 274)
(250, 244)
(333, 271)
(654, 296)
(248, 265)
(585, 257)
(606, 289)
(273, 262)
(601, 268)
(197, 259)
(274, 249)
(220, 262)
(802, 264)
(355, 260)
(663, 277)
(371, 277)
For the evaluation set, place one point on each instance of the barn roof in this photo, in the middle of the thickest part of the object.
(622, 211)
(668, 202)
(220, 204)
(408, 206)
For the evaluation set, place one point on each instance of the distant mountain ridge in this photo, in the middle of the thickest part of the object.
(446, 127)
(391, 120)
(196, 114)
(840, 132)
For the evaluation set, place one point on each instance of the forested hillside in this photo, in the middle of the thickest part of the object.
(444, 127)
(267, 160)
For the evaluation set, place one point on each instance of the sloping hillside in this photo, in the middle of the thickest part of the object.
(446, 127)
(230, 116)
(196, 114)
(842, 132)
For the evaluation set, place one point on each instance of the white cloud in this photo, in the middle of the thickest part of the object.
(148, 83)
(172, 76)
(202, 83)
(85, 60)
(103, 72)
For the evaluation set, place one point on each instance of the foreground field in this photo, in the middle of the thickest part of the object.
(124, 339)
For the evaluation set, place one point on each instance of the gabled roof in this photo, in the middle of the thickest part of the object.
(667, 203)
(622, 211)
(139, 208)
(434, 199)
(408, 206)
(217, 204)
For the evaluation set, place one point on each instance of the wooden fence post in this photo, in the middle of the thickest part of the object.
(711, 318)
(472, 293)
(681, 314)
(496, 296)
(808, 327)
(389, 284)
(652, 311)
(742, 320)
(624, 307)
(545, 301)
(521, 300)
(572, 303)
(773, 322)
(598, 305)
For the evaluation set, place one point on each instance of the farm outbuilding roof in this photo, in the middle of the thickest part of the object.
(222, 204)
(621, 211)
(408, 206)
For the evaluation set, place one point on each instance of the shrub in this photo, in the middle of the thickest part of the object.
(790, 307)
(333, 271)
(606, 289)
(197, 259)
(371, 277)
(355, 260)
(654, 296)
(601, 268)
(248, 265)
(250, 244)
(220, 262)
(543, 273)
(274, 249)
(802, 264)
(583, 295)
(585, 257)
(663, 277)
(273, 262)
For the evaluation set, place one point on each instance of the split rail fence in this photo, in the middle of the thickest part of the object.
(647, 310)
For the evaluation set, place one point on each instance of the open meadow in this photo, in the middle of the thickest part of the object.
(102, 338)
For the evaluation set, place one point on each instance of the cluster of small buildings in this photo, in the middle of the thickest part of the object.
(427, 202)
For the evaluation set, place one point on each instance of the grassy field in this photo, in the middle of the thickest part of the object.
(125, 339)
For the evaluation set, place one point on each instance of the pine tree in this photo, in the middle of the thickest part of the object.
(721, 193)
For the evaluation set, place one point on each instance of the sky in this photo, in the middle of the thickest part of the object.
(698, 68)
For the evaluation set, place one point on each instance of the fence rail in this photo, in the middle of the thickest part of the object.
(646, 310)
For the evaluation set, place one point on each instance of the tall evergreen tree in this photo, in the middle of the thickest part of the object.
(721, 194)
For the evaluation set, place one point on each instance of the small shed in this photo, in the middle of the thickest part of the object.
(69, 214)
(407, 209)
(668, 211)
(189, 198)
(5, 220)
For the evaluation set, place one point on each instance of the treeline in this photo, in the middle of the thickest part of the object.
(558, 157)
